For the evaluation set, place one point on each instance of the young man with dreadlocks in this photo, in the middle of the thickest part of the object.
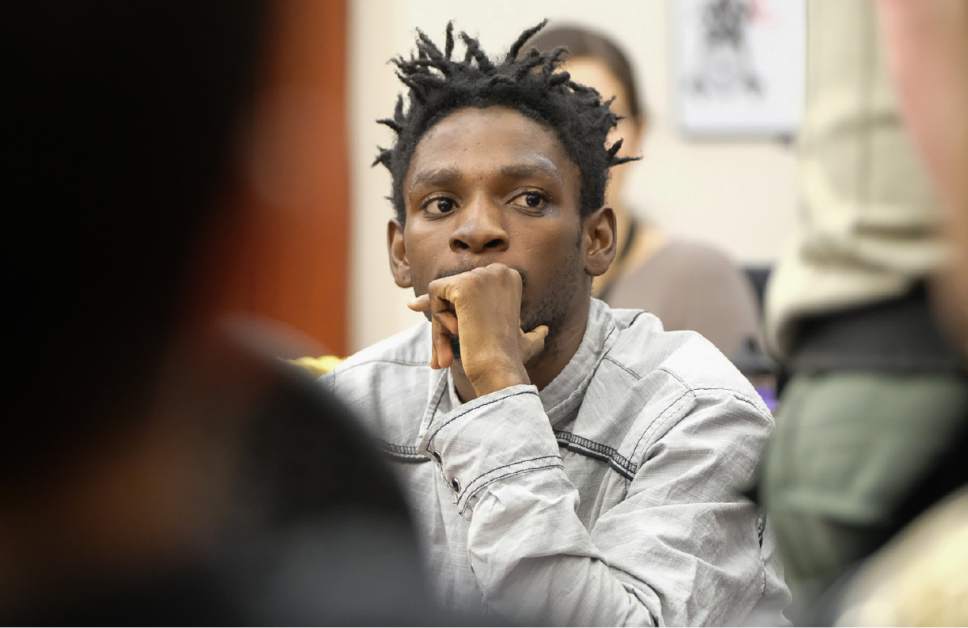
(566, 463)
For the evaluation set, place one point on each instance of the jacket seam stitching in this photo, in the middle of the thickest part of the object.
(480, 488)
(469, 410)
(350, 367)
(402, 457)
(407, 453)
(598, 451)
(440, 397)
(470, 488)
(659, 420)
(635, 318)
(736, 395)
(733, 392)
(623, 367)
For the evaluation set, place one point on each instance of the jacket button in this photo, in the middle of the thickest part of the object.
(455, 484)
(436, 456)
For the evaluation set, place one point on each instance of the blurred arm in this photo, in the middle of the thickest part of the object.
(927, 49)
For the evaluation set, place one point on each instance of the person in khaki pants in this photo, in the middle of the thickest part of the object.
(874, 389)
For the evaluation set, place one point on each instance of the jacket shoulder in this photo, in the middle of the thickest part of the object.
(652, 380)
(410, 347)
(387, 383)
(643, 349)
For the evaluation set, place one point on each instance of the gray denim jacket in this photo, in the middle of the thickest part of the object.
(611, 497)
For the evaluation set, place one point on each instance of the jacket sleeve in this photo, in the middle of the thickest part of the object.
(683, 547)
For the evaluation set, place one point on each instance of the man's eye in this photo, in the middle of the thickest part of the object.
(441, 206)
(532, 200)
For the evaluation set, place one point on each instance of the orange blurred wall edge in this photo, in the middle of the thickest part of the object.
(283, 254)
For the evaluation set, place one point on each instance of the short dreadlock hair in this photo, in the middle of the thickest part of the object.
(528, 83)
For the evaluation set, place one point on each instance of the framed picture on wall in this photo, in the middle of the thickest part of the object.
(738, 66)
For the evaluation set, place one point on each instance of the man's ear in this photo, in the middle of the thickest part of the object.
(598, 239)
(397, 252)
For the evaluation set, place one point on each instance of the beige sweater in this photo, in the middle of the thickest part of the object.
(869, 221)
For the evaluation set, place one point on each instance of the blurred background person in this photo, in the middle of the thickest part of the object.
(919, 578)
(686, 283)
(156, 464)
(876, 391)
(927, 47)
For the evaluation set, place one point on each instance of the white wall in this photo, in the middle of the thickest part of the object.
(737, 195)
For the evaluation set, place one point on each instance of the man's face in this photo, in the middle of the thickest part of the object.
(492, 185)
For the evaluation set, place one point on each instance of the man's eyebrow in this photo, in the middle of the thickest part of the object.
(531, 169)
(437, 177)
(449, 176)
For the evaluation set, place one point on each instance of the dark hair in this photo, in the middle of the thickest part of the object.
(438, 85)
(582, 42)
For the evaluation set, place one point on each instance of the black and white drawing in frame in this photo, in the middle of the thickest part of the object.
(739, 66)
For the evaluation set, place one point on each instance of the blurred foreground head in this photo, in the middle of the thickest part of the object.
(152, 471)
(120, 121)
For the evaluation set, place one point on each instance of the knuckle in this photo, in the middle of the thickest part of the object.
(478, 275)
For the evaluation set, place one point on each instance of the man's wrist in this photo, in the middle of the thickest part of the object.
(499, 377)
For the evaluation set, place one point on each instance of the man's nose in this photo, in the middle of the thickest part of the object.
(481, 230)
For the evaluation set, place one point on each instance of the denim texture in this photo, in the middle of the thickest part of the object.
(614, 496)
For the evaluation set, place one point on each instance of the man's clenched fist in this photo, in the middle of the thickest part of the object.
(482, 308)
